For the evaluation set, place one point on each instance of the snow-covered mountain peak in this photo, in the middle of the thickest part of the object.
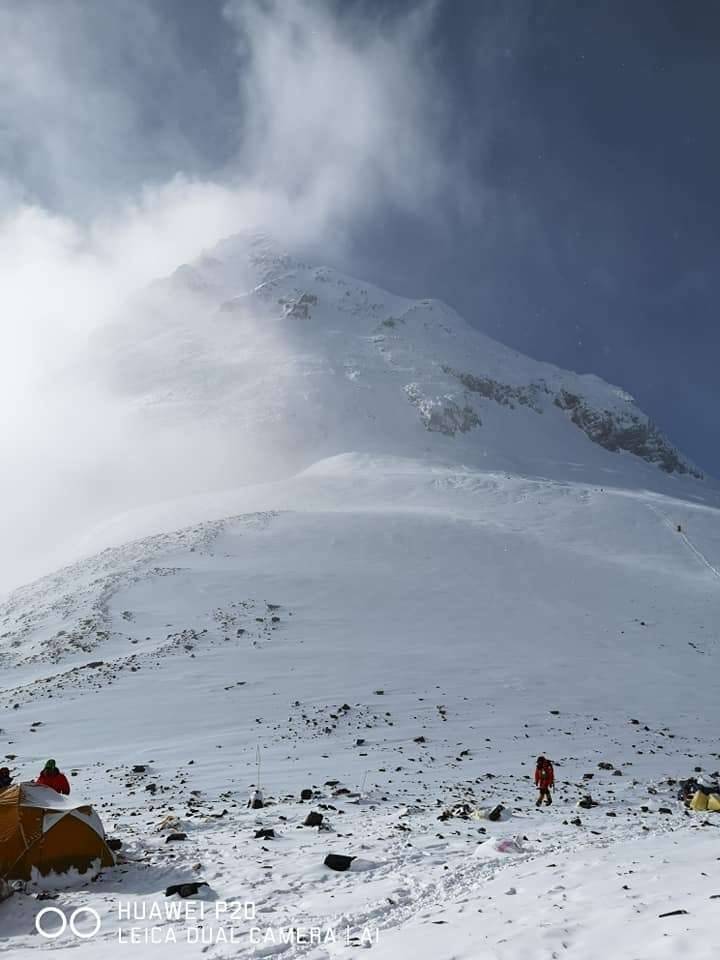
(307, 362)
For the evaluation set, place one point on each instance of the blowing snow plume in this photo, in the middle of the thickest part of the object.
(334, 120)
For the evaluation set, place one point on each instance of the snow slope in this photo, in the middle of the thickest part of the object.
(499, 616)
(414, 616)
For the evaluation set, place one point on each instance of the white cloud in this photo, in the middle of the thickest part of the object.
(341, 116)
(338, 119)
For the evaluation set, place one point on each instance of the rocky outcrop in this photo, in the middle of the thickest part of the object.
(299, 307)
(614, 430)
(502, 393)
(443, 414)
(630, 432)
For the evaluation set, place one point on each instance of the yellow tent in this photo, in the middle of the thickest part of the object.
(43, 832)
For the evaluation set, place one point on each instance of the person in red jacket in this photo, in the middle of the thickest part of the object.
(544, 780)
(53, 778)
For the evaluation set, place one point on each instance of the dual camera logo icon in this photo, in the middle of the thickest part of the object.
(51, 929)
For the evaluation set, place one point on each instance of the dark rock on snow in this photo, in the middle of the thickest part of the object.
(267, 833)
(185, 889)
(337, 861)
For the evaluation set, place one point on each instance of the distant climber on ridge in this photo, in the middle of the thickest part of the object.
(5, 778)
(544, 780)
(53, 778)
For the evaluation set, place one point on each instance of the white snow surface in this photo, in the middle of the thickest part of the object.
(526, 592)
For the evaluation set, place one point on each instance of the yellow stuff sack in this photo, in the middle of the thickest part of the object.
(699, 801)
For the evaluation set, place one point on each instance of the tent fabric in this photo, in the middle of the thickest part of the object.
(42, 831)
(699, 801)
(45, 798)
(90, 818)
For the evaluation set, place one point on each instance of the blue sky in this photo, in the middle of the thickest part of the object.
(549, 169)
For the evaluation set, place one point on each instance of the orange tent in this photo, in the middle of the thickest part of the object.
(43, 832)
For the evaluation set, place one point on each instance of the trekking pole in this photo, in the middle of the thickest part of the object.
(258, 761)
